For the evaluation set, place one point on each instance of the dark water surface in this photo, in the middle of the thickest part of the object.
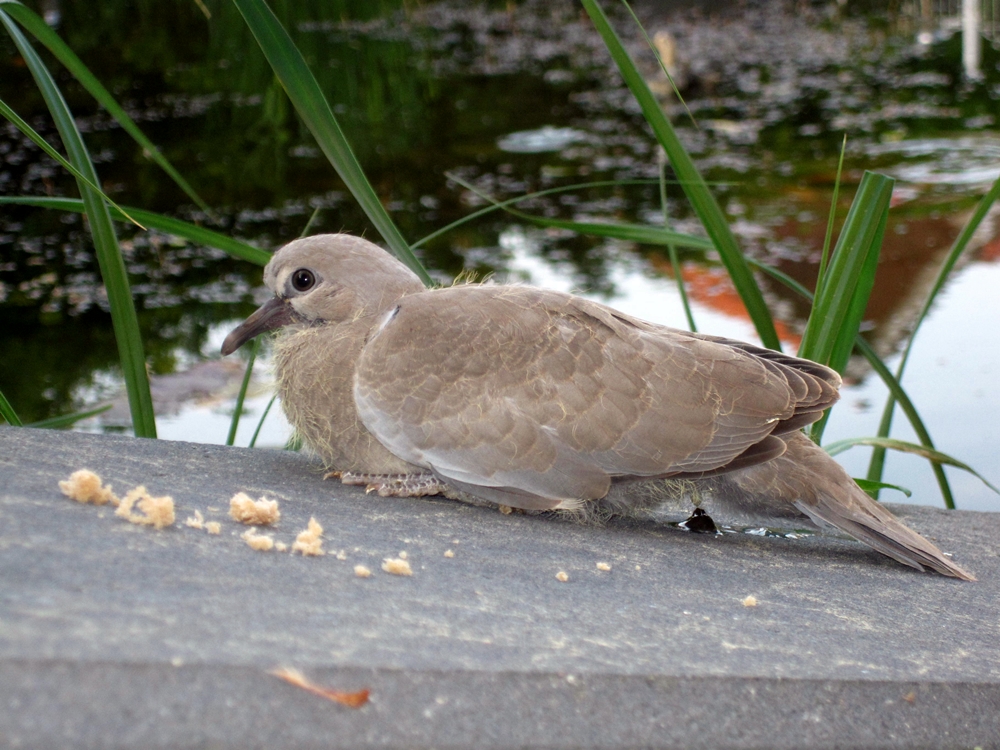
(514, 97)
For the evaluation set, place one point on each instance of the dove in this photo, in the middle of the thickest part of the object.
(542, 400)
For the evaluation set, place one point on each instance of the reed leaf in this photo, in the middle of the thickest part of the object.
(500, 205)
(894, 386)
(25, 128)
(242, 394)
(873, 487)
(123, 316)
(305, 94)
(702, 201)
(842, 294)
(910, 410)
(907, 447)
(675, 261)
(640, 233)
(825, 255)
(876, 465)
(65, 420)
(843, 291)
(659, 60)
(8, 413)
(260, 422)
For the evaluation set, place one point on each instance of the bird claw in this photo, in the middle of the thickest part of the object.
(392, 485)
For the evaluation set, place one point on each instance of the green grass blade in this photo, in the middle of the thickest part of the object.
(702, 201)
(892, 383)
(675, 261)
(241, 396)
(109, 257)
(313, 220)
(873, 487)
(37, 27)
(8, 413)
(500, 205)
(825, 255)
(177, 227)
(260, 422)
(844, 343)
(910, 410)
(842, 294)
(656, 54)
(303, 90)
(877, 464)
(640, 233)
(25, 128)
(906, 447)
(69, 419)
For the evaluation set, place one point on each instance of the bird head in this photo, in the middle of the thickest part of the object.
(327, 278)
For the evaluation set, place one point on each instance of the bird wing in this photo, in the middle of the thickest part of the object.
(545, 397)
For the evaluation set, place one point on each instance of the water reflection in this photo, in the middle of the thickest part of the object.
(514, 98)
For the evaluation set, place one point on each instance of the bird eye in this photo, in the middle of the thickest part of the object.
(303, 280)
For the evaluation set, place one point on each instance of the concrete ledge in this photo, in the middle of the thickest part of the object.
(114, 635)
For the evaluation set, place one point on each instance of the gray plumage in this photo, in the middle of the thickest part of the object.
(542, 400)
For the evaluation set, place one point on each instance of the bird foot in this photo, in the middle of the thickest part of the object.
(393, 485)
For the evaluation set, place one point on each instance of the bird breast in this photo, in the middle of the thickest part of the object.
(315, 374)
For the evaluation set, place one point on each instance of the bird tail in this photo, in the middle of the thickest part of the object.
(869, 522)
(807, 478)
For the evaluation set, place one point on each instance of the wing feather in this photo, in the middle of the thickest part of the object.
(542, 394)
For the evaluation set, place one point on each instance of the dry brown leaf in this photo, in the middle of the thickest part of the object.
(295, 677)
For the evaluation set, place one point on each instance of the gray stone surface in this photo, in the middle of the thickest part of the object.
(115, 635)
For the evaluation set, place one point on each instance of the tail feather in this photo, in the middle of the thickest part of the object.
(807, 479)
(882, 531)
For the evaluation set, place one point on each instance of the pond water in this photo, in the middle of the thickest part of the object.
(514, 98)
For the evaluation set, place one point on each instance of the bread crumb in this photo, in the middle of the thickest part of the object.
(449, 553)
(85, 486)
(197, 521)
(252, 512)
(402, 555)
(638, 567)
(260, 542)
(309, 542)
(361, 571)
(153, 511)
(750, 601)
(397, 566)
(280, 546)
(505, 509)
(342, 555)
(562, 576)
(603, 566)
(213, 527)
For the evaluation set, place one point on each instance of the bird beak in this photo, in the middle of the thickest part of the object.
(274, 313)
